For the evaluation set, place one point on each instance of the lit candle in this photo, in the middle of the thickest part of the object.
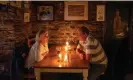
(66, 58)
(69, 47)
(67, 43)
(60, 65)
(60, 56)
(66, 48)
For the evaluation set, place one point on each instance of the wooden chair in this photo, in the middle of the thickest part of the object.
(29, 75)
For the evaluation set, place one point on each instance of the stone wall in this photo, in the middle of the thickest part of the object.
(11, 32)
(15, 31)
(59, 29)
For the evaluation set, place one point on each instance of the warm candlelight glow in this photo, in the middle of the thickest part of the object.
(60, 65)
(60, 56)
(65, 58)
(66, 48)
(69, 47)
(67, 43)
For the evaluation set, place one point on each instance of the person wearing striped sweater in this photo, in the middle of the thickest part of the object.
(89, 48)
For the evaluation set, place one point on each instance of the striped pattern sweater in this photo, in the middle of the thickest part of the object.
(92, 46)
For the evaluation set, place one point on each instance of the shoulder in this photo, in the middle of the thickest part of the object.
(92, 41)
(91, 38)
(34, 46)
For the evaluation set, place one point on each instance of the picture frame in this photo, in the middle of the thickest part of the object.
(12, 3)
(18, 4)
(26, 17)
(100, 13)
(76, 10)
(27, 4)
(45, 13)
(3, 2)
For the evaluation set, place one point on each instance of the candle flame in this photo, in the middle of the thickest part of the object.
(66, 48)
(65, 58)
(60, 56)
(60, 65)
(67, 43)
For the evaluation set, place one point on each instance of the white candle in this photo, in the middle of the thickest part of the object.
(67, 43)
(66, 48)
(66, 58)
(69, 47)
(60, 56)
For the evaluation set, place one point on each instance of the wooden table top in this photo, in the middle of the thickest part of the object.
(53, 63)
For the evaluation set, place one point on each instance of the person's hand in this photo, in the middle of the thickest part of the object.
(80, 51)
(45, 54)
(81, 56)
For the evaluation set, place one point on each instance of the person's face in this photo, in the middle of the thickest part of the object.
(44, 37)
(82, 36)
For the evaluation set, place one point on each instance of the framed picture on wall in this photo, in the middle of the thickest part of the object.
(26, 17)
(12, 3)
(76, 10)
(100, 13)
(18, 4)
(3, 2)
(27, 4)
(45, 13)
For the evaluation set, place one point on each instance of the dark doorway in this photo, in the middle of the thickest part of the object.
(116, 43)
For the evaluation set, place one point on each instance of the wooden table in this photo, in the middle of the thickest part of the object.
(51, 64)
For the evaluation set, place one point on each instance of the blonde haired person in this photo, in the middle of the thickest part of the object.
(39, 50)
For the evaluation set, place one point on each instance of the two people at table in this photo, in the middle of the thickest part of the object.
(88, 48)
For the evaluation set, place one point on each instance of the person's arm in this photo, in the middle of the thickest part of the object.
(37, 52)
(38, 56)
(88, 57)
(80, 52)
(91, 48)
(78, 47)
(30, 58)
(42, 53)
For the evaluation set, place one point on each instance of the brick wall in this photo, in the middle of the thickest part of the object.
(7, 38)
(59, 29)
(16, 31)
(11, 32)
